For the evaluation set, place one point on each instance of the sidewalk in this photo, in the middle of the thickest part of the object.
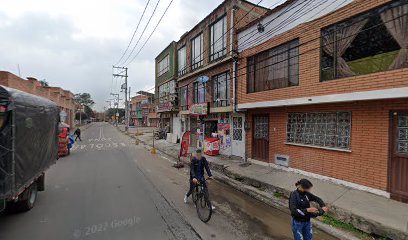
(367, 212)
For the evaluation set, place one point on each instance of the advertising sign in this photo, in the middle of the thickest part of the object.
(165, 107)
(199, 109)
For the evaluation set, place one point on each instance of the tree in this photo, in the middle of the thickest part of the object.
(83, 99)
(112, 112)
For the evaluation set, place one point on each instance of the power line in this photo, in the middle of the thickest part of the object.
(151, 34)
(141, 35)
(134, 33)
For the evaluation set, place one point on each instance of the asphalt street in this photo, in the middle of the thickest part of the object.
(111, 188)
(98, 192)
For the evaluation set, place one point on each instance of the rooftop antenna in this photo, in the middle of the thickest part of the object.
(18, 68)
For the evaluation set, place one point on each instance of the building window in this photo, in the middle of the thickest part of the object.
(182, 61)
(375, 41)
(199, 92)
(275, 68)
(218, 39)
(184, 98)
(165, 90)
(331, 129)
(164, 65)
(221, 88)
(197, 51)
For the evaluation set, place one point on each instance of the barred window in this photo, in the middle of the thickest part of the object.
(197, 52)
(221, 90)
(199, 92)
(218, 39)
(322, 129)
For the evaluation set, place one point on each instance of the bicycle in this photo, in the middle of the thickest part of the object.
(202, 201)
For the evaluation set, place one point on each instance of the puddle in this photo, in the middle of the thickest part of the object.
(263, 221)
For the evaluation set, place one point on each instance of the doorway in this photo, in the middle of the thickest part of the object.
(260, 142)
(238, 137)
(398, 170)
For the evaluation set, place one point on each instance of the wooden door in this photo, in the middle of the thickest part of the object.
(398, 173)
(260, 142)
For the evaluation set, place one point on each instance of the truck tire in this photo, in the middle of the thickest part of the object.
(28, 198)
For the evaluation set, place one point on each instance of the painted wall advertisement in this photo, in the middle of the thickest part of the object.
(199, 109)
(224, 135)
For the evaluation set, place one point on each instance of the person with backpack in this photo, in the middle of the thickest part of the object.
(302, 212)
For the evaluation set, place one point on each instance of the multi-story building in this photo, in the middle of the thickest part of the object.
(63, 98)
(166, 92)
(136, 110)
(325, 89)
(150, 118)
(205, 57)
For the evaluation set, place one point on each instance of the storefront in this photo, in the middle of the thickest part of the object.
(205, 127)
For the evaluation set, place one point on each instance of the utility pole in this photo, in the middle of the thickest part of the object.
(117, 107)
(125, 88)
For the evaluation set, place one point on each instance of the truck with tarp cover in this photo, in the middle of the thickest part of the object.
(28, 146)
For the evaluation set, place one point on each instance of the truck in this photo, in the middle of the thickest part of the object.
(28, 147)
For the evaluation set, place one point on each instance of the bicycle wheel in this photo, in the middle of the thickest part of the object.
(194, 194)
(204, 207)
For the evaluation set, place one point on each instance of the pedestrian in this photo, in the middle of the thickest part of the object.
(198, 164)
(302, 212)
(77, 133)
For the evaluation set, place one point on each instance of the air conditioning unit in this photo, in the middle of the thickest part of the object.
(282, 160)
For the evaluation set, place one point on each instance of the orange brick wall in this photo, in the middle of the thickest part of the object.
(309, 63)
(366, 164)
(63, 98)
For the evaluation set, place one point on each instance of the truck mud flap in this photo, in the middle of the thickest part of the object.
(2, 205)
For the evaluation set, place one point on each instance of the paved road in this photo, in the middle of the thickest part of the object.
(98, 192)
(109, 188)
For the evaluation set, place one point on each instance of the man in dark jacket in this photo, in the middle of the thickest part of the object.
(302, 212)
(198, 164)
(78, 134)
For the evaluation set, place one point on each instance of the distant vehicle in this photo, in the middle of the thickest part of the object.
(28, 146)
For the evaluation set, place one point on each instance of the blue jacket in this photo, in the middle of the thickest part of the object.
(197, 168)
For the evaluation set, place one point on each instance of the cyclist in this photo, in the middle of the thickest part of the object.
(299, 205)
(198, 164)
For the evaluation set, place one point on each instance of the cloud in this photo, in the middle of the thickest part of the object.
(73, 44)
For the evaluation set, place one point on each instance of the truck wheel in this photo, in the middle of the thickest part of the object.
(28, 198)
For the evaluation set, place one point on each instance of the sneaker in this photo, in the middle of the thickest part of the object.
(185, 198)
(212, 207)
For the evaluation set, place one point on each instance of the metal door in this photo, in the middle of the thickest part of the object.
(260, 142)
(238, 137)
(398, 173)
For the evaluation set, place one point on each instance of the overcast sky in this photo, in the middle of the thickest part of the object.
(73, 44)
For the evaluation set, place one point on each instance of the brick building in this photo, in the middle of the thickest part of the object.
(205, 62)
(165, 91)
(326, 93)
(63, 98)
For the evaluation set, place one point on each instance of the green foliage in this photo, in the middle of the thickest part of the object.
(278, 195)
(330, 220)
(83, 99)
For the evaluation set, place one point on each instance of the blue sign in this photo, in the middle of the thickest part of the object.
(203, 79)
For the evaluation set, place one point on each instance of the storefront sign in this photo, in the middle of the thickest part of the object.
(165, 107)
(199, 109)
